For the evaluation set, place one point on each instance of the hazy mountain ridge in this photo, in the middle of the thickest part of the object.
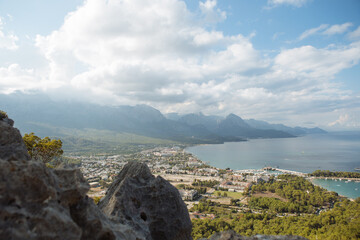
(209, 122)
(234, 125)
(298, 131)
(40, 114)
(34, 113)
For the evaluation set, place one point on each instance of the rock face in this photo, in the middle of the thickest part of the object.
(12, 146)
(40, 203)
(150, 204)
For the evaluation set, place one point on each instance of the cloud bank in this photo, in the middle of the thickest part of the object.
(296, 3)
(7, 40)
(326, 29)
(160, 53)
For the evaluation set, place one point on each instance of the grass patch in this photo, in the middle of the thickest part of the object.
(269, 195)
(95, 141)
(235, 195)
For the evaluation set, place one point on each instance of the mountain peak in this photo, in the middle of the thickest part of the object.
(147, 113)
(235, 120)
(232, 115)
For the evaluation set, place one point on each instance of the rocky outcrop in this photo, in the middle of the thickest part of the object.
(231, 235)
(40, 203)
(12, 146)
(150, 204)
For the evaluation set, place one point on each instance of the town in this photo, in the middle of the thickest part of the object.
(196, 181)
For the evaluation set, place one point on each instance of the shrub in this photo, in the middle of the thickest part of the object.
(97, 199)
(3, 115)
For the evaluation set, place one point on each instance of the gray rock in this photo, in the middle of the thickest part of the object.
(152, 205)
(12, 147)
(30, 203)
(95, 225)
(73, 185)
(37, 202)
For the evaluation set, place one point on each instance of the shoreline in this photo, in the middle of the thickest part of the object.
(303, 174)
(336, 178)
(311, 180)
(286, 171)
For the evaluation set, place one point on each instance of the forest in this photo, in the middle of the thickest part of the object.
(300, 209)
(327, 173)
(301, 195)
(341, 222)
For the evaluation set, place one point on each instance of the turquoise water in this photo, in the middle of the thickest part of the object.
(349, 189)
(333, 151)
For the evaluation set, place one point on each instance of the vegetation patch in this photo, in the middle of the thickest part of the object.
(327, 173)
(270, 195)
(235, 195)
(342, 222)
(3, 115)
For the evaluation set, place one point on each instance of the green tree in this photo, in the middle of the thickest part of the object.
(3, 115)
(44, 149)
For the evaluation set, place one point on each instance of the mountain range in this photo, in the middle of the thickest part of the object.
(45, 117)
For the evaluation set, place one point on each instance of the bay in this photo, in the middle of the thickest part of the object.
(332, 151)
(349, 189)
(338, 151)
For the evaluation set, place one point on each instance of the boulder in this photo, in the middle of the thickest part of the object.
(150, 204)
(37, 202)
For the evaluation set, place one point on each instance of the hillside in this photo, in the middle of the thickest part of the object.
(82, 125)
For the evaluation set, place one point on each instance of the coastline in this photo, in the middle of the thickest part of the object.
(311, 180)
(336, 178)
(304, 153)
(286, 171)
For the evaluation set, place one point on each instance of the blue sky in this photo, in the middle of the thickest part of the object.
(289, 61)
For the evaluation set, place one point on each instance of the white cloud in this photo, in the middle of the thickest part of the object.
(309, 62)
(340, 121)
(312, 31)
(326, 29)
(13, 78)
(346, 120)
(7, 40)
(159, 53)
(211, 13)
(153, 46)
(207, 38)
(355, 34)
(296, 3)
(337, 29)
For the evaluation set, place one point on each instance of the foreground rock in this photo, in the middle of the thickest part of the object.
(150, 204)
(40, 203)
(12, 146)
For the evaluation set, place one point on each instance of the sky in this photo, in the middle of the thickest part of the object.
(284, 61)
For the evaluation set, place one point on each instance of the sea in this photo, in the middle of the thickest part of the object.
(336, 151)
